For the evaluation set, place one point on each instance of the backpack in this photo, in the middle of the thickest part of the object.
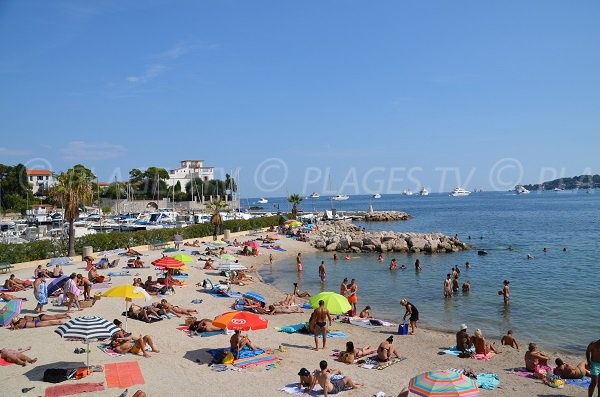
(55, 375)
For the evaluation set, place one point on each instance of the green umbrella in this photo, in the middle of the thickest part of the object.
(334, 303)
(183, 258)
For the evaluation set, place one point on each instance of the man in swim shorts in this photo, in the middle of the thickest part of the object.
(329, 385)
(321, 315)
(322, 273)
(353, 296)
(593, 359)
(567, 371)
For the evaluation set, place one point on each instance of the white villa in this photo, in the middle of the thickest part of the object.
(190, 169)
(40, 180)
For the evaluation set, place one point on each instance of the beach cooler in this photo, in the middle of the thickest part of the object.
(403, 329)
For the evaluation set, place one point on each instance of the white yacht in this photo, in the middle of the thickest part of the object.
(459, 191)
(519, 189)
(407, 192)
(262, 201)
(558, 189)
(424, 192)
(340, 197)
(376, 196)
(315, 195)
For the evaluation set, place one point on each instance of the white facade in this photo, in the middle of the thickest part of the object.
(190, 169)
(40, 180)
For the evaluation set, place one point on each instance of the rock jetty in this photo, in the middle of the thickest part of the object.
(346, 237)
(386, 216)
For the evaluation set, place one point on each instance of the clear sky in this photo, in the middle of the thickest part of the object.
(306, 96)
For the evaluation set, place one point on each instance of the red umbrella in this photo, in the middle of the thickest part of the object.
(240, 321)
(254, 244)
(168, 262)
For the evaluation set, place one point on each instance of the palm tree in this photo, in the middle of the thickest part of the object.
(295, 199)
(74, 188)
(216, 219)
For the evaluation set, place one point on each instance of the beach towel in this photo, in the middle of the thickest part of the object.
(486, 357)
(583, 382)
(123, 375)
(370, 323)
(106, 348)
(259, 359)
(118, 274)
(293, 388)
(297, 328)
(487, 381)
(373, 362)
(75, 388)
(3, 362)
(454, 352)
(205, 334)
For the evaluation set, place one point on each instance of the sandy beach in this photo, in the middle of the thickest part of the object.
(181, 366)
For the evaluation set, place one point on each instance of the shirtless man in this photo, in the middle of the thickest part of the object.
(321, 316)
(567, 371)
(509, 340)
(533, 357)
(9, 297)
(592, 355)
(238, 341)
(463, 341)
(330, 386)
(417, 265)
(17, 356)
(393, 264)
(86, 284)
(204, 325)
(322, 273)
(14, 284)
(448, 286)
(386, 349)
(56, 272)
(127, 346)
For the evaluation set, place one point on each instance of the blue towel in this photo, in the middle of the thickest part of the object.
(212, 333)
(454, 352)
(306, 305)
(115, 274)
(244, 353)
(290, 329)
(583, 382)
(487, 381)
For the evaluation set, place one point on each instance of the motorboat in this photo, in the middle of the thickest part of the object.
(315, 195)
(340, 197)
(424, 192)
(460, 192)
(521, 190)
(262, 200)
(376, 196)
(558, 189)
(407, 192)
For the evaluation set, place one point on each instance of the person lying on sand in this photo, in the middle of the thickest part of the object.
(141, 313)
(351, 353)
(196, 243)
(331, 386)
(273, 309)
(509, 340)
(137, 347)
(208, 265)
(534, 357)
(204, 325)
(304, 294)
(135, 263)
(9, 297)
(386, 349)
(22, 323)
(567, 371)
(131, 252)
(17, 356)
(176, 310)
(14, 284)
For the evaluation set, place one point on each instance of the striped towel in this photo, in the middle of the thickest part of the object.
(260, 359)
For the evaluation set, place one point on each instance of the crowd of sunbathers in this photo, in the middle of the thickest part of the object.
(157, 311)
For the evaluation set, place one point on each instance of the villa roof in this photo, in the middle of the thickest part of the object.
(39, 172)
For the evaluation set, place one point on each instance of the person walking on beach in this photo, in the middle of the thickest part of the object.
(40, 291)
(299, 263)
(506, 292)
(321, 316)
(448, 286)
(72, 292)
(592, 355)
(322, 273)
(413, 312)
(344, 287)
(353, 296)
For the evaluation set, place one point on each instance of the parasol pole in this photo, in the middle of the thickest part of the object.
(87, 350)
(126, 316)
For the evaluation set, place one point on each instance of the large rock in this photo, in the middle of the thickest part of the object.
(343, 244)
(417, 243)
(331, 247)
(368, 247)
(400, 245)
(356, 244)
(320, 243)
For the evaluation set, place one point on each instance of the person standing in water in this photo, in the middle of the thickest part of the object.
(353, 296)
(322, 273)
(417, 265)
(448, 286)
(299, 263)
(506, 292)
(344, 287)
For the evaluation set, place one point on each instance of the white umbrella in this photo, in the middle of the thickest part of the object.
(87, 328)
(227, 267)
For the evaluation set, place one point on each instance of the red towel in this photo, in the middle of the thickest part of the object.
(74, 388)
(3, 362)
(123, 375)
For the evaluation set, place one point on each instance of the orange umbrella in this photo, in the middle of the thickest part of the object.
(240, 321)
(168, 262)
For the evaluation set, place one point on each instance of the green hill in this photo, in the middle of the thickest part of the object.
(576, 182)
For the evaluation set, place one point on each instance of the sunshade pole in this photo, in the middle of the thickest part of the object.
(126, 316)
(88, 352)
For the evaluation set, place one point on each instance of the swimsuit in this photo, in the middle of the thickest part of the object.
(414, 315)
(595, 368)
(338, 385)
(321, 324)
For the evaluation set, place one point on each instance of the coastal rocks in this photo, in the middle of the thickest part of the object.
(386, 216)
(346, 237)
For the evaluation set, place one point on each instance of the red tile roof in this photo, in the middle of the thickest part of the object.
(39, 172)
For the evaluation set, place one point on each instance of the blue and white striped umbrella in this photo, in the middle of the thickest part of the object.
(254, 296)
(86, 328)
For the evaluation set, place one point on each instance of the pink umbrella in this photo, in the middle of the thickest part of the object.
(254, 244)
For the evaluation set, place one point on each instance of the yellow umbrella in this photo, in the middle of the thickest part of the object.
(128, 292)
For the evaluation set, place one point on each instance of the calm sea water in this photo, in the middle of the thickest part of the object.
(553, 296)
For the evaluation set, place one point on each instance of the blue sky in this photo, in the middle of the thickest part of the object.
(305, 96)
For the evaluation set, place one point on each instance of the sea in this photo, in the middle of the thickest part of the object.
(553, 296)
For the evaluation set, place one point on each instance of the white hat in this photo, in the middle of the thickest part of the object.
(463, 326)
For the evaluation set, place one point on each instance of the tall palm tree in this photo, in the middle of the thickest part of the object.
(295, 199)
(216, 219)
(74, 188)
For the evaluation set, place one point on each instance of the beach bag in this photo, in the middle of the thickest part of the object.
(55, 375)
(403, 329)
(228, 359)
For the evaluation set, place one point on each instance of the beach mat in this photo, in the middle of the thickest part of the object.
(203, 334)
(3, 362)
(583, 382)
(107, 349)
(373, 362)
(123, 375)
(261, 359)
(71, 389)
(454, 352)
(293, 388)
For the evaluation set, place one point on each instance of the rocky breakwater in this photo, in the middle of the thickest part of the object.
(346, 237)
(386, 216)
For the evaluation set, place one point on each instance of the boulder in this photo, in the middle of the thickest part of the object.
(400, 245)
(417, 243)
(356, 244)
(369, 247)
(331, 247)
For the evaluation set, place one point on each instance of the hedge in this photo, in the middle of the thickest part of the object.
(15, 253)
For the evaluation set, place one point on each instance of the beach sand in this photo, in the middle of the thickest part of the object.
(181, 366)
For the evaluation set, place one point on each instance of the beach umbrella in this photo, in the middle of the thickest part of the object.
(254, 296)
(127, 292)
(240, 321)
(87, 328)
(253, 244)
(10, 311)
(334, 303)
(183, 258)
(227, 267)
(56, 284)
(168, 262)
(444, 383)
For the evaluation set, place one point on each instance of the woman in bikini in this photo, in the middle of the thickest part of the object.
(177, 310)
(33, 322)
(17, 356)
(204, 325)
(350, 354)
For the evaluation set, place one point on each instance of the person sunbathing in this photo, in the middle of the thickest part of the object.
(238, 341)
(366, 313)
(56, 272)
(481, 346)
(173, 281)
(38, 270)
(14, 284)
(95, 277)
(9, 297)
(137, 262)
(509, 340)
(150, 285)
(22, 323)
(177, 310)
(135, 347)
(204, 325)
(47, 317)
(139, 313)
(17, 356)
(272, 309)
(196, 243)
(288, 301)
(137, 282)
(304, 294)
(386, 349)
(329, 385)
(567, 371)
(533, 357)
(350, 354)
(208, 265)
(131, 252)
